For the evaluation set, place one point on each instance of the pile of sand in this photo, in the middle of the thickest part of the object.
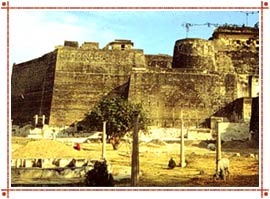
(47, 149)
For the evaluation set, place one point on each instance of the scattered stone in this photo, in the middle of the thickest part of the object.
(201, 172)
(237, 155)
(29, 163)
(47, 163)
(211, 146)
(158, 142)
(251, 155)
(193, 154)
(14, 163)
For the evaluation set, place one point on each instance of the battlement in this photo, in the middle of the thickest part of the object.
(73, 44)
(117, 44)
(235, 32)
(200, 78)
(90, 46)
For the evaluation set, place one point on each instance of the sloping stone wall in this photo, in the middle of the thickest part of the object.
(32, 85)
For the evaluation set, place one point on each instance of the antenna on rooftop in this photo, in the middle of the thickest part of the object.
(247, 13)
(188, 25)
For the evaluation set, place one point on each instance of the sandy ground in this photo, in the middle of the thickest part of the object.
(154, 157)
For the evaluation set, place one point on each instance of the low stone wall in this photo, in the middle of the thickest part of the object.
(234, 131)
(173, 134)
(23, 175)
(51, 163)
(51, 171)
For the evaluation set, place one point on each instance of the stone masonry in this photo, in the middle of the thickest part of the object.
(202, 78)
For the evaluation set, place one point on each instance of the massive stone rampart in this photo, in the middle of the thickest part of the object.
(158, 61)
(165, 95)
(32, 86)
(83, 77)
(203, 77)
(194, 53)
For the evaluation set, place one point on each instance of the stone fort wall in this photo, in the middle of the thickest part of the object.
(203, 77)
(195, 54)
(32, 85)
(83, 77)
(165, 95)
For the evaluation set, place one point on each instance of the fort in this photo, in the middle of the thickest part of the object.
(203, 78)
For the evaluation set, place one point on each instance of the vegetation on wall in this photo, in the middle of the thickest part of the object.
(119, 115)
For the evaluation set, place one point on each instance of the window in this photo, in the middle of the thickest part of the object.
(122, 46)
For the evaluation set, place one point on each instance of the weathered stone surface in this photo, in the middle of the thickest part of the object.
(194, 53)
(158, 61)
(234, 131)
(204, 77)
(32, 86)
(164, 95)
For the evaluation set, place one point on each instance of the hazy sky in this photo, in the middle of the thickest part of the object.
(34, 33)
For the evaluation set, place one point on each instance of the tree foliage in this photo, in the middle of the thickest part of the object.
(118, 114)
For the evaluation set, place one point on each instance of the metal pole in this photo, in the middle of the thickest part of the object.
(182, 149)
(103, 156)
(218, 147)
(135, 154)
(247, 19)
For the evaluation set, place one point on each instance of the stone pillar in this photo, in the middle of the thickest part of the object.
(43, 120)
(135, 154)
(54, 134)
(182, 149)
(218, 147)
(103, 156)
(36, 119)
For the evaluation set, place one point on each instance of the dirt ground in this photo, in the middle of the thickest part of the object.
(154, 157)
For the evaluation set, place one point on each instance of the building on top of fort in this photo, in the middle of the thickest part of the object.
(119, 44)
(204, 78)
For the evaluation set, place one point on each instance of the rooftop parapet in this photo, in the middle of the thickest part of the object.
(90, 45)
(235, 31)
(119, 44)
(73, 44)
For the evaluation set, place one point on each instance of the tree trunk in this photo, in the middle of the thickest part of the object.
(115, 141)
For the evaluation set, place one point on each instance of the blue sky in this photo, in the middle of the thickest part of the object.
(34, 33)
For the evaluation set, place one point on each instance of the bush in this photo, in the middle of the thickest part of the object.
(99, 176)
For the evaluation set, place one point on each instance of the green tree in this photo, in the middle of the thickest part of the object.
(119, 115)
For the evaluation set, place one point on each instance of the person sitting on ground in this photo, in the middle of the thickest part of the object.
(171, 164)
